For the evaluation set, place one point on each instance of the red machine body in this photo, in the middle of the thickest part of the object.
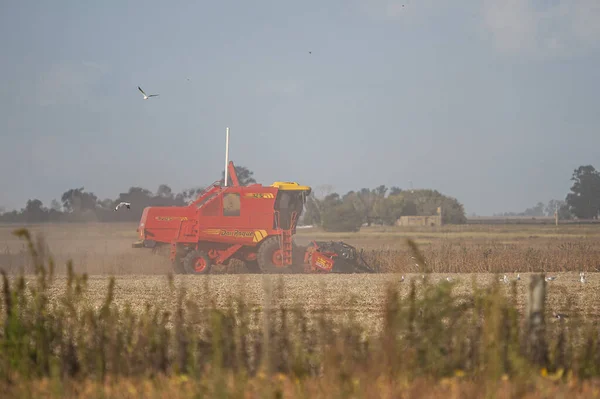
(254, 223)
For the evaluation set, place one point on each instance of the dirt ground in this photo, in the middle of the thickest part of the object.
(102, 250)
(105, 249)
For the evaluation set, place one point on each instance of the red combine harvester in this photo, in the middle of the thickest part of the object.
(253, 223)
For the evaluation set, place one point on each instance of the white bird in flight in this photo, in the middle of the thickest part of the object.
(146, 96)
(122, 204)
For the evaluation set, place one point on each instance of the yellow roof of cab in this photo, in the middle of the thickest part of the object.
(288, 185)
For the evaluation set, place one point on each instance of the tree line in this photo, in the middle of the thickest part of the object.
(79, 205)
(582, 202)
(326, 209)
(333, 212)
(381, 205)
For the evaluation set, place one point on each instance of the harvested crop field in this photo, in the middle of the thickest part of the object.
(459, 252)
(105, 249)
(334, 294)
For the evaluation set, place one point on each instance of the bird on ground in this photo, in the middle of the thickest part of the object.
(560, 315)
(518, 276)
(551, 278)
(146, 96)
(582, 277)
(504, 279)
(123, 204)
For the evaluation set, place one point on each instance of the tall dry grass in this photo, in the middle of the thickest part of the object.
(432, 341)
(550, 256)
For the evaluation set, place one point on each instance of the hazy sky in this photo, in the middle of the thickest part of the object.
(492, 102)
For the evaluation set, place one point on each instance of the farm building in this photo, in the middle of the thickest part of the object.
(429, 220)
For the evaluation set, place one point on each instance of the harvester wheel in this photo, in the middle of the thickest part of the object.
(196, 262)
(270, 257)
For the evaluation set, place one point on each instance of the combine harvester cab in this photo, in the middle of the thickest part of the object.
(252, 223)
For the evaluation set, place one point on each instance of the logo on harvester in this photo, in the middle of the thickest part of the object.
(323, 263)
(236, 233)
(256, 235)
(259, 195)
(169, 218)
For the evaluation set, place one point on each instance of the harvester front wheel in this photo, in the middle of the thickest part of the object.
(270, 257)
(196, 262)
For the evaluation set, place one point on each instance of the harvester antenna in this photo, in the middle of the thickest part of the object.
(226, 157)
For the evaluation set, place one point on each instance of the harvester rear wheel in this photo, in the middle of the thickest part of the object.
(196, 262)
(270, 257)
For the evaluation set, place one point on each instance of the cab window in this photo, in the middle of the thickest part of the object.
(231, 204)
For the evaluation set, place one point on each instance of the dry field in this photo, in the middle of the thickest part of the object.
(463, 253)
(445, 340)
(105, 249)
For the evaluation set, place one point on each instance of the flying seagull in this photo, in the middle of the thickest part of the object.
(146, 96)
(126, 204)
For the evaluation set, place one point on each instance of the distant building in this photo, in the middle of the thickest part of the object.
(431, 220)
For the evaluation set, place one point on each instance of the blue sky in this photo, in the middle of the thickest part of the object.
(494, 103)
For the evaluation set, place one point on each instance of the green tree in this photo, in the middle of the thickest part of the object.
(561, 206)
(341, 217)
(537, 210)
(164, 191)
(391, 208)
(189, 194)
(312, 213)
(584, 198)
(244, 175)
(366, 201)
(55, 206)
(34, 211)
(333, 213)
(77, 200)
(428, 201)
